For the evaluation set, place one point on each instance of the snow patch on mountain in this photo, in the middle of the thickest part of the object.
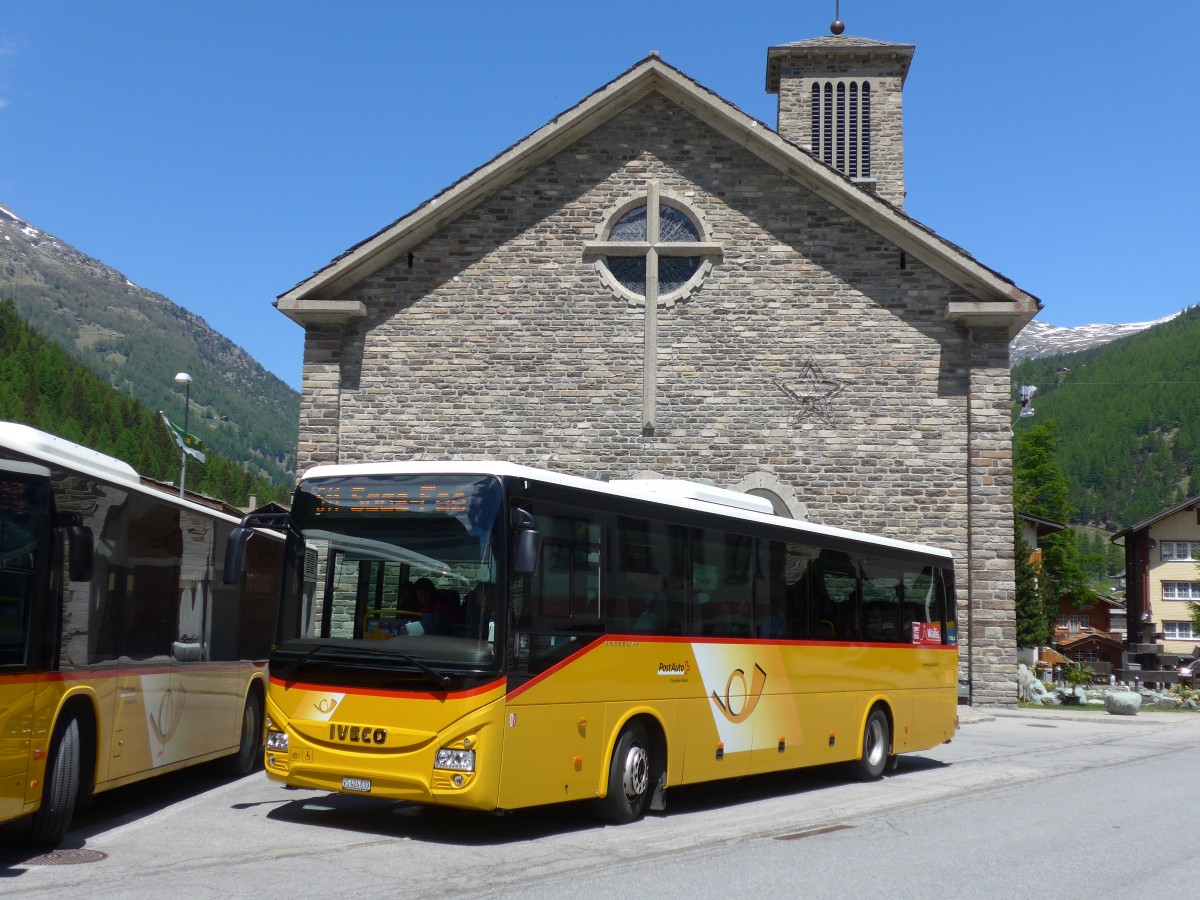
(1039, 339)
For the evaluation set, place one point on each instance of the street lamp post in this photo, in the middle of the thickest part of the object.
(186, 380)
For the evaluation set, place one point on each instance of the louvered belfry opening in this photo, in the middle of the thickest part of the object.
(841, 126)
(840, 99)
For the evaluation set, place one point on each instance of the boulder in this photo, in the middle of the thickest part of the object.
(1123, 703)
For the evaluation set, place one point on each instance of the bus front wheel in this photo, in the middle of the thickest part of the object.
(628, 777)
(60, 786)
(876, 747)
(250, 749)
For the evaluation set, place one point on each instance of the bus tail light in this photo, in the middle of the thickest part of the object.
(455, 760)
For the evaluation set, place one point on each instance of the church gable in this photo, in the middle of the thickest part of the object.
(504, 317)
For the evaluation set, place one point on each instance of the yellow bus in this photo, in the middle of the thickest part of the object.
(489, 636)
(123, 654)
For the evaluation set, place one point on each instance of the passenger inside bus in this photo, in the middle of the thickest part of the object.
(434, 611)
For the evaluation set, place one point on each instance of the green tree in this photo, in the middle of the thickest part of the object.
(1040, 489)
(1039, 486)
(1035, 623)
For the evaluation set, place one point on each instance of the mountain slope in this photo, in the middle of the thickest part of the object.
(138, 340)
(44, 386)
(1129, 420)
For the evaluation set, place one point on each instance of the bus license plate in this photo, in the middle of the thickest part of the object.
(362, 785)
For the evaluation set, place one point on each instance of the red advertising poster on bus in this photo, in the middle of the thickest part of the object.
(926, 633)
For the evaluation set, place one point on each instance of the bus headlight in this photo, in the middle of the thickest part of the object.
(456, 760)
(277, 740)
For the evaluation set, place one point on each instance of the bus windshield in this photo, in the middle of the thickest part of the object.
(388, 570)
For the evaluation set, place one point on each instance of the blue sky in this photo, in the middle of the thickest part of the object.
(219, 153)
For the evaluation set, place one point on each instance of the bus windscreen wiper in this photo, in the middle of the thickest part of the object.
(438, 678)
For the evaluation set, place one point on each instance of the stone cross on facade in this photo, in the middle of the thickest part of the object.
(652, 253)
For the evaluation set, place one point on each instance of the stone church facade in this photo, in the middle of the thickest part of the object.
(655, 284)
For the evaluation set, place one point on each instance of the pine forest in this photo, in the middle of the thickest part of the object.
(1127, 420)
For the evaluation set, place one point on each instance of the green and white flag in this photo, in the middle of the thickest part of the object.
(188, 443)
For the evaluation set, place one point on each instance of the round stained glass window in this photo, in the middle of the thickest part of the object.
(674, 271)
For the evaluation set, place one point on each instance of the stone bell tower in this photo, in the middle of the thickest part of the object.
(840, 98)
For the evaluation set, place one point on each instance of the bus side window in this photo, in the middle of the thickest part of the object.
(927, 600)
(883, 587)
(152, 601)
(647, 583)
(565, 589)
(798, 576)
(836, 598)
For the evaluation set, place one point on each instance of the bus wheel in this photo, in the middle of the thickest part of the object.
(60, 786)
(628, 777)
(250, 749)
(877, 745)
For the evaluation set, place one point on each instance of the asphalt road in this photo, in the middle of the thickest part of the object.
(1014, 801)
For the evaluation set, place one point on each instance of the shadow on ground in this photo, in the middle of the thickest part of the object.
(436, 825)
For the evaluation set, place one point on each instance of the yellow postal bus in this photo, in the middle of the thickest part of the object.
(122, 655)
(489, 636)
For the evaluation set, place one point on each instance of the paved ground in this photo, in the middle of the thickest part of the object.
(199, 834)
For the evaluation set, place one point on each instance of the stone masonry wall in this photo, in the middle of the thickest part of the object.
(501, 341)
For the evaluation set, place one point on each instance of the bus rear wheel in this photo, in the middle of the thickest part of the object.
(60, 786)
(876, 747)
(628, 777)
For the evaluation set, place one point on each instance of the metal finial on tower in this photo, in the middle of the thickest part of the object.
(838, 26)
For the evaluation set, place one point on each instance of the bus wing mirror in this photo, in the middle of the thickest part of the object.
(80, 552)
(235, 554)
(528, 542)
(525, 557)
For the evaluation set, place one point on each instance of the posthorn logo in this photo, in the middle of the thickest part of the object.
(746, 697)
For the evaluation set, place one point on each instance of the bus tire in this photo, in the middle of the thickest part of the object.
(249, 753)
(876, 747)
(628, 777)
(60, 787)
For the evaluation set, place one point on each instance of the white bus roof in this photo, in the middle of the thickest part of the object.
(41, 445)
(671, 492)
(58, 451)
